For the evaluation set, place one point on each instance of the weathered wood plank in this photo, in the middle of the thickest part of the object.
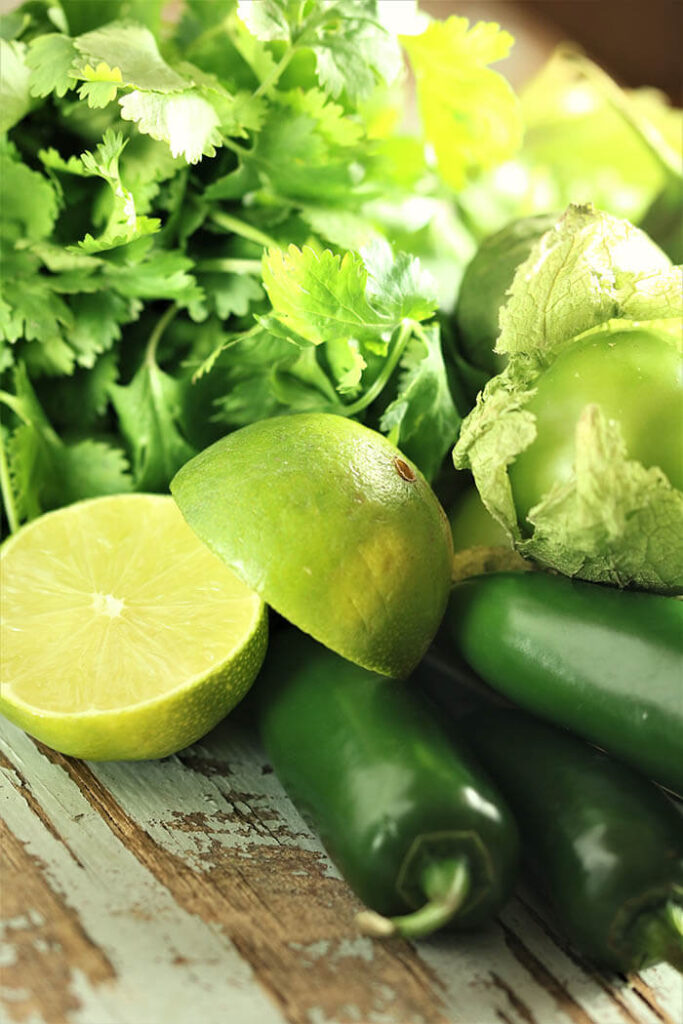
(211, 839)
(166, 963)
(41, 937)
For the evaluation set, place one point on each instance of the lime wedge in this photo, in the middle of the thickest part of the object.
(333, 526)
(123, 637)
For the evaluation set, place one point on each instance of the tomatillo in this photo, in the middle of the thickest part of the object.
(635, 378)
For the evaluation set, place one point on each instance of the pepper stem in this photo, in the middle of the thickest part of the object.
(446, 885)
(660, 935)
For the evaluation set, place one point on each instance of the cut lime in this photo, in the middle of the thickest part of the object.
(333, 526)
(123, 637)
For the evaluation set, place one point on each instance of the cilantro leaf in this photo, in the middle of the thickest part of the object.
(123, 224)
(33, 311)
(268, 20)
(322, 296)
(366, 310)
(264, 375)
(28, 203)
(50, 58)
(15, 99)
(422, 420)
(133, 50)
(470, 114)
(98, 319)
(398, 285)
(100, 84)
(353, 50)
(185, 120)
(305, 149)
(149, 410)
(45, 472)
(231, 293)
(161, 274)
(79, 404)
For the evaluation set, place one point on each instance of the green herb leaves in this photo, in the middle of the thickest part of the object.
(362, 307)
(352, 49)
(220, 221)
(321, 297)
(470, 114)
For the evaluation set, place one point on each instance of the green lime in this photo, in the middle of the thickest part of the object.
(123, 637)
(333, 526)
(485, 283)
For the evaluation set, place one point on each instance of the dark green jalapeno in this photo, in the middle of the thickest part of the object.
(416, 829)
(604, 663)
(606, 843)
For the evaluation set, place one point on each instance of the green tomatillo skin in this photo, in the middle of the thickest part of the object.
(635, 379)
(484, 286)
(605, 664)
(578, 454)
(606, 844)
(406, 815)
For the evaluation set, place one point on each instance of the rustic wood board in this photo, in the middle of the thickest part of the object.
(189, 889)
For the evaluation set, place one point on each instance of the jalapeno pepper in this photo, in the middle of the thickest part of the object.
(606, 843)
(606, 664)
(416, 829)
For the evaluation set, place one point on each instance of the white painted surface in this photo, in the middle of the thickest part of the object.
(215, 807)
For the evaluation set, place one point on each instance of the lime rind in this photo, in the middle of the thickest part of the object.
(211, 630)
(333, 527)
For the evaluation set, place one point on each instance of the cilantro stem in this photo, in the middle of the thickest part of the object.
(240, 227)
(7, 491)
(270, 80)
(155, 337)
(241, 151)
(380, 381)
(13, 403)
(220, 29)
(207, 365)
(650, 135)
(229, 266)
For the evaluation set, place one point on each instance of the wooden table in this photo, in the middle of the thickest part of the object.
(190, 890)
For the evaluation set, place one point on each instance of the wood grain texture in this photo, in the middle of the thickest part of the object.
(190, 889)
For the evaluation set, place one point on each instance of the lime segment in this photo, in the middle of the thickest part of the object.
(333, 527)
(122, 635)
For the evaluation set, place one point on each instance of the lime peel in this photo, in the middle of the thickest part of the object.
(333, 526)
(123, 637)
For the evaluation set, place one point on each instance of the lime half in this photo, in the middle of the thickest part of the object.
(123, 636)
(334, 528)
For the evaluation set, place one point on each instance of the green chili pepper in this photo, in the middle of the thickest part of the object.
(607, 844)
(420, 835)
(605, 663)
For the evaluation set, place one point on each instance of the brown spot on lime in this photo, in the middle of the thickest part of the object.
(404, 470)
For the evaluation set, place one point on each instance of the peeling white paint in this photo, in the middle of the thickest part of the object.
(360, 947)
(164, 796)
(170, 965)
(8, 954)
(173, 967)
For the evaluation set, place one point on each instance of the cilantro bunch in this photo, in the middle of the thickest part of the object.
(225, 217)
